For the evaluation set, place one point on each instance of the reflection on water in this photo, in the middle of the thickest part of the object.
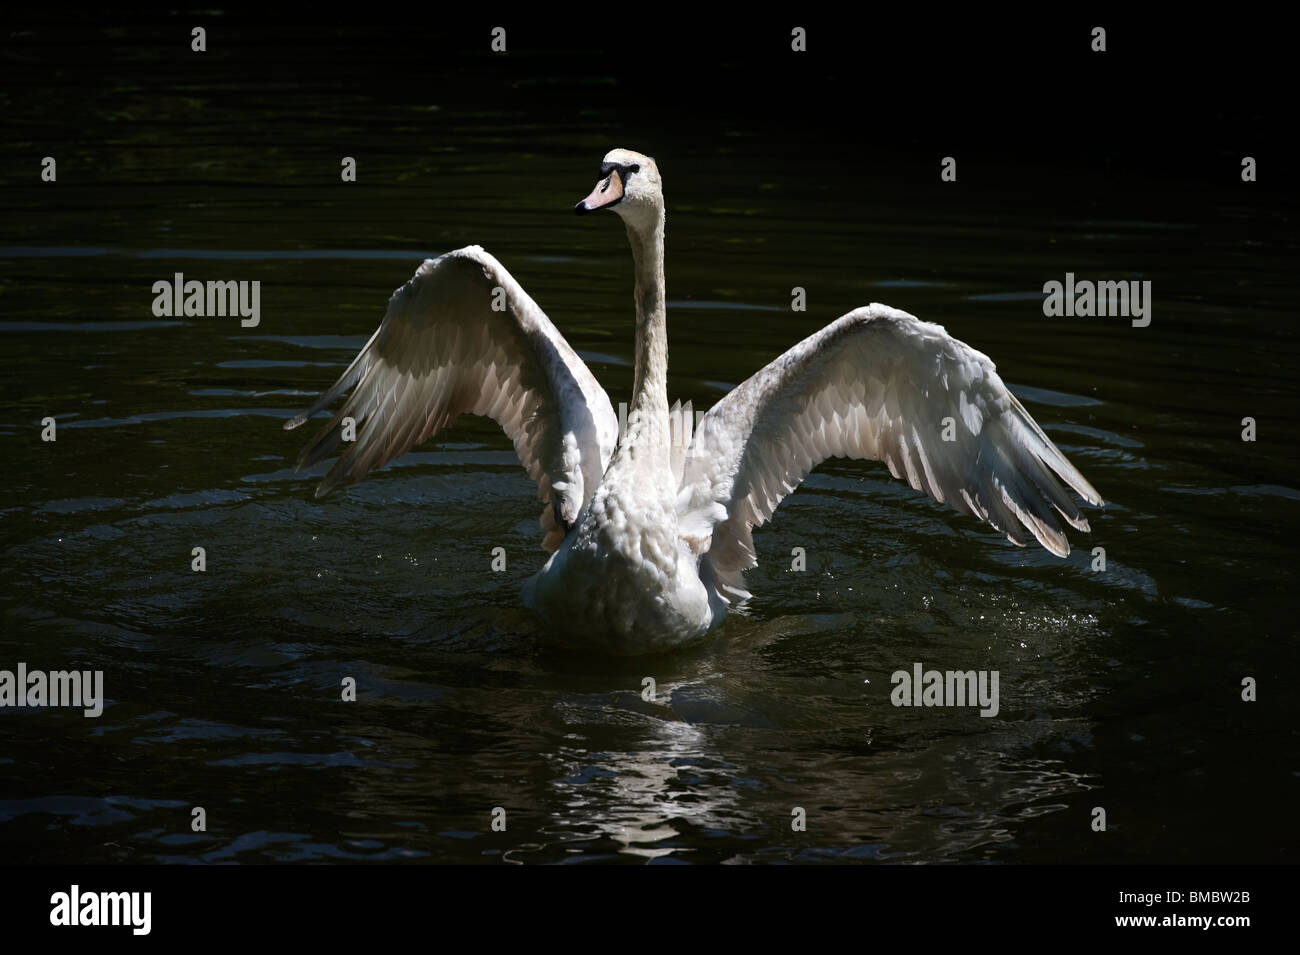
(1118, 688)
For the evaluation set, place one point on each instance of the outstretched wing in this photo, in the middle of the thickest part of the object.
(878, 384)
(463, 336)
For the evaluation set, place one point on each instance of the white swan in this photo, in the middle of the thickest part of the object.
(649, 538)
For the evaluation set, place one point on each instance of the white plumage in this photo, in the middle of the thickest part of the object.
(650, 536)
(443, 350)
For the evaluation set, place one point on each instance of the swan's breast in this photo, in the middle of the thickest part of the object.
(621, 578)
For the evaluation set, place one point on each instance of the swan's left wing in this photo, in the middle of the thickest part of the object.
(462, 337)
(882, 385)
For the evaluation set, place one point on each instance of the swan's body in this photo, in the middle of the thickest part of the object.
(650, 532)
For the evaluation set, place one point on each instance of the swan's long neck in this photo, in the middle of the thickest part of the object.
(647, 419)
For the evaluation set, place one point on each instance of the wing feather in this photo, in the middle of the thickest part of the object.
(463, 337)
(882, 385)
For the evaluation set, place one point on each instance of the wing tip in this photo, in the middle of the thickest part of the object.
(330, 481)
(1083, 487)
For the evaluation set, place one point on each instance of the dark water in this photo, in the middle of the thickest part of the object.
(1119, 689)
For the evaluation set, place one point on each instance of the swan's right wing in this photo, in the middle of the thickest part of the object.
(460, 337)
(878, 384)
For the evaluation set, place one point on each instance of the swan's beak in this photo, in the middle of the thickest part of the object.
(607, 193)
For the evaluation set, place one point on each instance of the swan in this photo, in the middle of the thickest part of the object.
(650, 532)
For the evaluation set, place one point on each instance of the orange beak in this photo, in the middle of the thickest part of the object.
(607, 193)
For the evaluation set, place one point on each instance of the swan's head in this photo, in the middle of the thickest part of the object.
(630, 185)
